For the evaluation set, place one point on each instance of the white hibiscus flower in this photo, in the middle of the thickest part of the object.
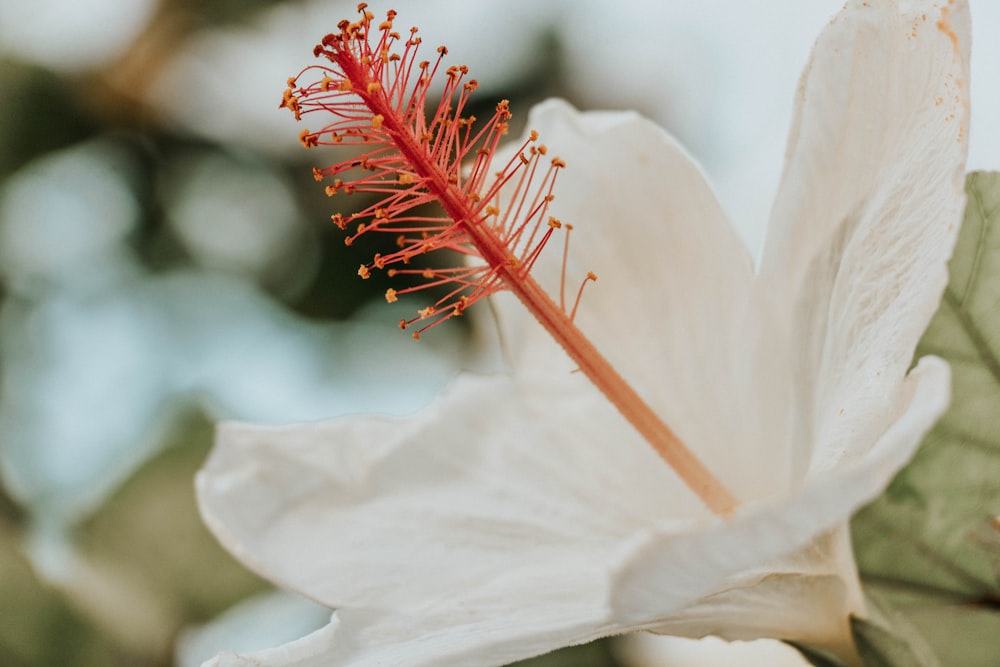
(521, 513)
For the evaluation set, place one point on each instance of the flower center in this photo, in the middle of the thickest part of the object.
(376, 94)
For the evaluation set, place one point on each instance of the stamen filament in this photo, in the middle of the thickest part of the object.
(591, 277)
(562, 275)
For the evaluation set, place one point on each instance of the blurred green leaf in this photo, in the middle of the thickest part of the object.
(152, 530)
(930, 546)
(887, 639)
(40, 114)
(594, 654)
(817, 657)
(37, 627)
(960, 633)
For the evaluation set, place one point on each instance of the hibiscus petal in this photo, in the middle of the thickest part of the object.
(674, 308)
(868, 209)
(446, 635)
(822, 581)
(309, 651)
(667, 571)
(450, 514)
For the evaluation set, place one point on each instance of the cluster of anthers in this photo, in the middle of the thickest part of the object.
(376, 93)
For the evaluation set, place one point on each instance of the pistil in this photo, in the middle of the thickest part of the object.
(376, 103)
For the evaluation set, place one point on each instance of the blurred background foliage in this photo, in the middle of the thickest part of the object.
(164, 264)
(155, 278)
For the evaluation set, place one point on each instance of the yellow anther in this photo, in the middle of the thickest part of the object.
(377, 121)
(554, 223)
(558, 162)
(426, 312)
(308, 139)
(363, 272)
(390, 297)
(374, 87)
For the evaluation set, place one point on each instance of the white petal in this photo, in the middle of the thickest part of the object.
(447, 635)
(664, 571)
(869, 207)
(262, 621)
(806, 596)
(455, 512)
(674, 308)
(309, 651)
(644, 649)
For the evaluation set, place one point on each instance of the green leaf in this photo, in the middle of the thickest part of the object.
(930, 546)
(815, 656)
(882, 647)
(888, 639)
